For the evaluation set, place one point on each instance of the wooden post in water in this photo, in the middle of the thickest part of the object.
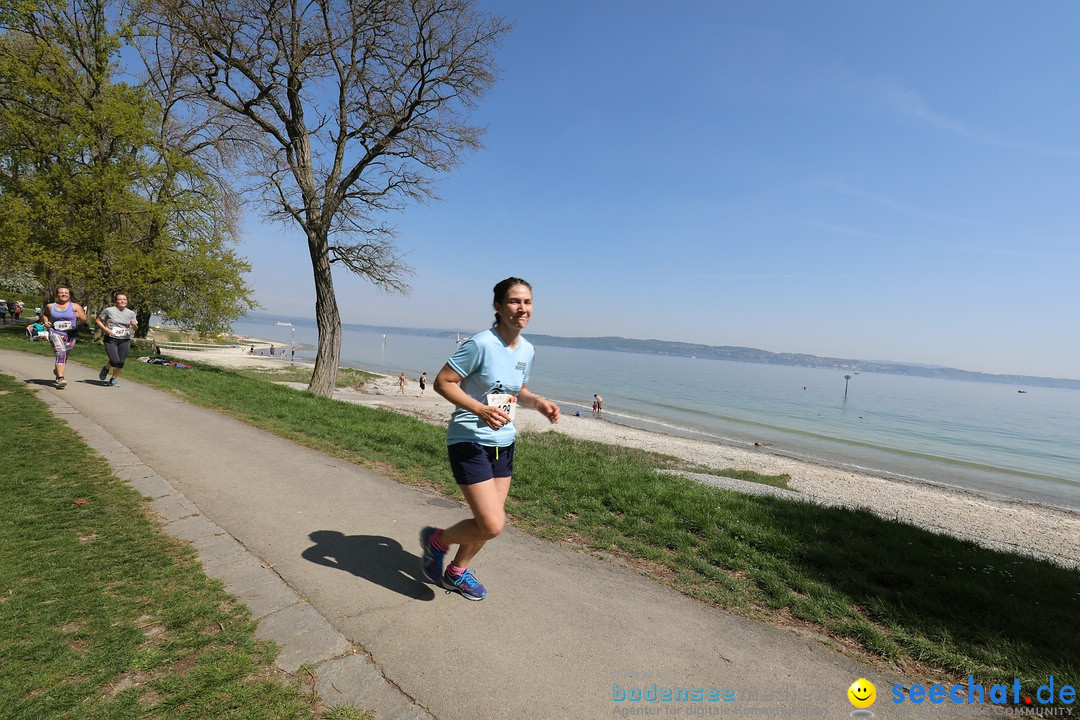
(846, 379)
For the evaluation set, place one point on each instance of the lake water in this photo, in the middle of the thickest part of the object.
(985, 437)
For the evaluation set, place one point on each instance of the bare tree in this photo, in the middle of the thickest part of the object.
(342, 110)
(190, 189)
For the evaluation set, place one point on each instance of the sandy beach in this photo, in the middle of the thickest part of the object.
(1029, 528)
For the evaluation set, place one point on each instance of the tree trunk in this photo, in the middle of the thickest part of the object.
(327, 317)
(143, 318)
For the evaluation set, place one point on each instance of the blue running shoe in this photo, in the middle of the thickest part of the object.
(114, 382)
(103, 374)
(466, 584)
(433, 559)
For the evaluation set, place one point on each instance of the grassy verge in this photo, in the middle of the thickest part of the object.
(101, 614)
(347, 377)
(930, 604)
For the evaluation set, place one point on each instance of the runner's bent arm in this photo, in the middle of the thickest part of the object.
(101, 325)
(528, 399)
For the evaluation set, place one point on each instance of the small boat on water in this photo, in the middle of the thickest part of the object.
(283, 324)
(1023, 392)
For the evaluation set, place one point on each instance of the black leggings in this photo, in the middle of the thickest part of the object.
(117, 351)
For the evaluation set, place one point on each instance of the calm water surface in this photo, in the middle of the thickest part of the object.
(984, 437)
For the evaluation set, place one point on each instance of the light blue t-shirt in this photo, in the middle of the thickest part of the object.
(488, 366)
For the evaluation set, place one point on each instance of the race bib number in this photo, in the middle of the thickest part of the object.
(63, 325)
(505, 402)
(119, 331)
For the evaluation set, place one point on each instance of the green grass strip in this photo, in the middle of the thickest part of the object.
(101, 614)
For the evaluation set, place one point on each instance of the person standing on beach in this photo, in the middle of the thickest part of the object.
(117, 323)
(401, 383)
(61, 317)
(486, 379)
(598, 405)
(423, 384)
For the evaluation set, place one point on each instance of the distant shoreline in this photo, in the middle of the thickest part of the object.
(730, 353)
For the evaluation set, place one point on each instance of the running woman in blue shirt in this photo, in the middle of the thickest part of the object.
(487, 380)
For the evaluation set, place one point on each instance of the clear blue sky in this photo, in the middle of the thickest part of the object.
(892, 181)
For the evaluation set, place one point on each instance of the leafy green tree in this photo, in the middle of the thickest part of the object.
(342, 110)
(100, 190)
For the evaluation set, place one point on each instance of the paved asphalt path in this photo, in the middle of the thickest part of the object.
(326, 555)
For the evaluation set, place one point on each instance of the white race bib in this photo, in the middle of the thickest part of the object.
(63, 325)
(119, 331)
(505, 402)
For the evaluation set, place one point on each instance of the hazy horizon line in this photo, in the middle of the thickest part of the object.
(431, 330)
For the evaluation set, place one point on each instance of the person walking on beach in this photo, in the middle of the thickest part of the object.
(401, 383)
(60, 318)
(423, 384)
(117, 323)
(486, 379)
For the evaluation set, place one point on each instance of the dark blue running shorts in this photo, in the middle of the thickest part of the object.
(473, 463)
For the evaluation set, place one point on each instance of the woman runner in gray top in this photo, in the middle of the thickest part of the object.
(117, 323)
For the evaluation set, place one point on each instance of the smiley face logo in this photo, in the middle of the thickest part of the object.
(862, 693)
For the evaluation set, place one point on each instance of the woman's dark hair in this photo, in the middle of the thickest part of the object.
(500, 291)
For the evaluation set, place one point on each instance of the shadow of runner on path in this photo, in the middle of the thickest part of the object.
(377, 559)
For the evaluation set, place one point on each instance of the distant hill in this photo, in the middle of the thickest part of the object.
(754, 355)
(726, 352)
